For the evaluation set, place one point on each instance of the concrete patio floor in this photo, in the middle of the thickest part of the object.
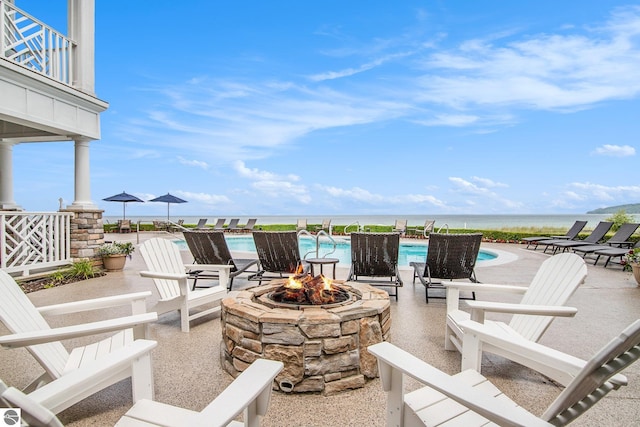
(187, 370)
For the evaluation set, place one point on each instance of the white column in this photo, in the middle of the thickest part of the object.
(6, 177)
(81, 23)
(82, 197)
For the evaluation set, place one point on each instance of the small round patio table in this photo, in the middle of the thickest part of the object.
(321, 262)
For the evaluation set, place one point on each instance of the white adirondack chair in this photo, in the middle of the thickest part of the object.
(469, 399)
(249, 394)
(30, 329)
(169, 274)
(556, 280)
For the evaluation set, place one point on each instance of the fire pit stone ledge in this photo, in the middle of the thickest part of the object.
(323, 347)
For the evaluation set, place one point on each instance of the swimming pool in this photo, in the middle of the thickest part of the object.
(409, 251)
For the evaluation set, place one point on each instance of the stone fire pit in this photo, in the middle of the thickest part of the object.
(323, 348)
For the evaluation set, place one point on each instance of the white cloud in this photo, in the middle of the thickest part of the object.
(365, 196)
(615, 150)
(488, 182)
(454, 120)
(469, 187)
(473, 190)
(274, 185)
(330, 75)
(257, 174)
(604, 192)
(209, 199)
(540, 72)
(196, 163)
(355, 193)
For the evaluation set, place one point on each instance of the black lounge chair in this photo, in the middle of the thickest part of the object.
(594, 238)
(201, 223)
(233, 224)
(219, 225)
(278, 255)
(248, 228)
(210, 247)
(449, 257)
(375, 255)
(571, 234)
(613, 253)
(620, 240)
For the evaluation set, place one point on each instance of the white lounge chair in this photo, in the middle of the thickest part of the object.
(249, 394)
(400, 226)
(30, 329)
(556, 280)
(469, 399)
(301, 224)
(169, 274)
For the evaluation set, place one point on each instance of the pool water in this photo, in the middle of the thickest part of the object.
(409, 252)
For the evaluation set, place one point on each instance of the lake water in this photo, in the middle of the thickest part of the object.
(482, 222)
(409, 252)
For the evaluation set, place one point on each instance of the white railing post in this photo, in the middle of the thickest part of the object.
(35, 45)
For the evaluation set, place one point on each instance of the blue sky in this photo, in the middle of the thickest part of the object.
(377, 107)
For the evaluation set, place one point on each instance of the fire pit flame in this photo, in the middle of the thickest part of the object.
(309, 290)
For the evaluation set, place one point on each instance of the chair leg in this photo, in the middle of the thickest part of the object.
(142, 378)
(471, 353)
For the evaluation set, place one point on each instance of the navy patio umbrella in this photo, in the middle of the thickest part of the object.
(168, 199)
(124, 198)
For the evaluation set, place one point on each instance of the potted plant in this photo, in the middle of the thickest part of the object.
(632, 262)
(114, 255)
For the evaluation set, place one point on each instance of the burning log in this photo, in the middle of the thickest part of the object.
(309, 290)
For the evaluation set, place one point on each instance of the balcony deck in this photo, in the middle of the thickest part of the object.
(188, 373)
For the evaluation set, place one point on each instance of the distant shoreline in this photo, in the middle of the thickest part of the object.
(482, 222)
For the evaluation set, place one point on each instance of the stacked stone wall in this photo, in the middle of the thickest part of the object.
(87, 233)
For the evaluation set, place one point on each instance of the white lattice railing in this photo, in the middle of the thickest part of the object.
(32, 44)
(34, 240)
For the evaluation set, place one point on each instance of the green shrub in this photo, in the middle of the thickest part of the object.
(82, 270)
(619, 218)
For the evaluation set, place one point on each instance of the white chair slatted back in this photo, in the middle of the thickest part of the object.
(556, 280)
(162, 255)
(18, 314)
(594, 380)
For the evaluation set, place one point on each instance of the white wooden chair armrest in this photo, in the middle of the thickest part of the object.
(543, 355)
(66, 332)
(479, 308)
(168, 276)
(249, 392)
(93, 304)
(393, 362)
(70, 387)
(476, 287)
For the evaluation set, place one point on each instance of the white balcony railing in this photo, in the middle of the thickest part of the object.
(32, 44)
(34, 241)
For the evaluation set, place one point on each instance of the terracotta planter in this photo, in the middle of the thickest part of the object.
(114, 262)
(635, 268)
